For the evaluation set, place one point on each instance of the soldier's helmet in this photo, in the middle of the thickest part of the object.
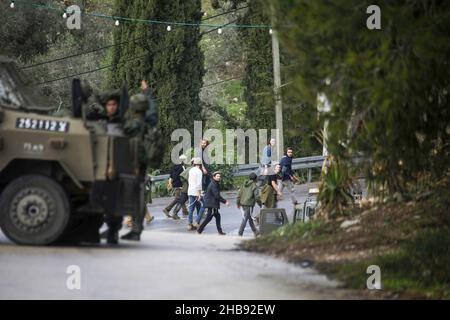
(139, 103)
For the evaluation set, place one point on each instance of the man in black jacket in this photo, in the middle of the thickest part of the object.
(212, 202)
(176, 185)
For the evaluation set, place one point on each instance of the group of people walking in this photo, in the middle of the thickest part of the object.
(195, 185)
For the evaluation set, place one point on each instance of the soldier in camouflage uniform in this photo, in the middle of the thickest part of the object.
(141, 125)
(106, 108)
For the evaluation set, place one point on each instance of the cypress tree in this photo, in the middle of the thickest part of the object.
(171, 62)
(258, 80)
(299, 119)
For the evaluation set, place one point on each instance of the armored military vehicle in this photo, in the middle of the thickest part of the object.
(59, 175)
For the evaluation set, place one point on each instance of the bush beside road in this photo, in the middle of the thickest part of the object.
(408, 239)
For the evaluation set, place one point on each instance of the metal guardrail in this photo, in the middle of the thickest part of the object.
(160, 178)
(246, 169)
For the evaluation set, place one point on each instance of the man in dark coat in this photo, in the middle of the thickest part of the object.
(212, 202)
(289, 178)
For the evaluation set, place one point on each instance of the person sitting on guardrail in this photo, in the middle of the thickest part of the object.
(247, 196)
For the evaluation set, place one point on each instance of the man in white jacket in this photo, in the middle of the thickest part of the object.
(195, 193)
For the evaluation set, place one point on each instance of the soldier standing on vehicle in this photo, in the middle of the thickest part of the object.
(108, 109)
(110, 113)
(142, 126)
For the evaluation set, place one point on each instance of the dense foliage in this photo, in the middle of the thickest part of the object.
(258, 80)
(389, 88)
(335, 189)
(38, 37)
(300, 120)
(26, 30)
(172, 61)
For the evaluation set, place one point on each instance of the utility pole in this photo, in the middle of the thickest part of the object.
(277, 91)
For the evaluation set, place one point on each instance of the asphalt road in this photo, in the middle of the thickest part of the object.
(169, 263)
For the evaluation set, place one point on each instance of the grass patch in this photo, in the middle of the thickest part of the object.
(409, 241)
(419, 268)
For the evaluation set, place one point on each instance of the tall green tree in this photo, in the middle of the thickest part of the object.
(27, 31)
(258, 80)
(258, 75)
(388, 88)
(34, 34)
(299, 118)
(170, 60)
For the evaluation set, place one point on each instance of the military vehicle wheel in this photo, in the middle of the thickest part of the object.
(34, 210)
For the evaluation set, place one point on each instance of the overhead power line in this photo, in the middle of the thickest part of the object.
(74, 75)
(125, 42)
(212, 30)
(82, 53)
(74, 55)
(104, 67)
(146, 21)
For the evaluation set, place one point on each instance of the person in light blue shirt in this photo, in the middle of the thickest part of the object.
(266, 160)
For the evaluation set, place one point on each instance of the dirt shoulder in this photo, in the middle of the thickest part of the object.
(408, 240)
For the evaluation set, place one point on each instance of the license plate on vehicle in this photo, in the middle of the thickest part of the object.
(42, 125)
